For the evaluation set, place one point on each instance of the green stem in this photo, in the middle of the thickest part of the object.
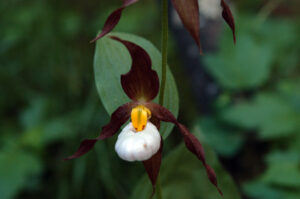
(158, 188)
(164, 50)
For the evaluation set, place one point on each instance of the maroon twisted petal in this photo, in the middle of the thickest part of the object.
(191, 142)
(118, 118)
(152, 167)
(227, 16)
(141, 83)
(188, 11)
(113, 19)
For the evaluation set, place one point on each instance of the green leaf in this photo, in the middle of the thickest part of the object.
(285, 173)
(226, 141)
(283, 169)
(280, 180)
(259, 190)
(273, 116)
(112, 59)
(243, 66)
(283, 40)
(16, 169)
(48, 131)
(290, 89)
(278, 157)
(183, 176)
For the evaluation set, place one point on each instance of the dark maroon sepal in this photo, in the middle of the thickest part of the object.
(85, 146)
(118, 118)
(113, 19)
(141, 83)
(228, 17)
(152, 166)
(194, 145)
(212, 177)
(188, 12)
(191, 142)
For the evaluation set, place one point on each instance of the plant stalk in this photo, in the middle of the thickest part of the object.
(158, 188)
(164, 52)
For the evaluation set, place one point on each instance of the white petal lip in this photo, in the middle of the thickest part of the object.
(138, 146)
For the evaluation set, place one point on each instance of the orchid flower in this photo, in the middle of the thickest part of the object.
(188, 11)
(140, 139)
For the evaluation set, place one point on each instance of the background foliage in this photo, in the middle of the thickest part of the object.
(49, 103)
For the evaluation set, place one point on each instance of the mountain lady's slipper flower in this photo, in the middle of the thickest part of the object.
(137, 145)
(140, 139)
(188, 11)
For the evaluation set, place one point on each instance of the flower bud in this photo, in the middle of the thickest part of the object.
(138, 146)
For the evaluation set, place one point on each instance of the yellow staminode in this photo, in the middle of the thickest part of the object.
(139, 117)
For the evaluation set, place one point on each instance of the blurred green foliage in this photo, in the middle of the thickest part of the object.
(260, 80)
(49, 103)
